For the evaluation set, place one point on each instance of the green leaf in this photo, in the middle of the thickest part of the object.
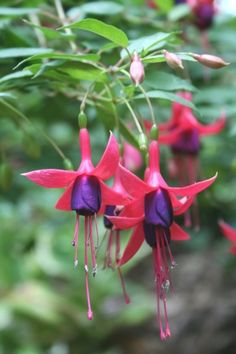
(102, 29)
(16, 75)
(49, 32)
(104, 8)
(167, 96)
(6, 95)
(22, 52)
(165, 5)
(178, 12)
(14, 11)
(83, 72)
(147, 43)
(160, 80)
(62, 56)
(160, 58)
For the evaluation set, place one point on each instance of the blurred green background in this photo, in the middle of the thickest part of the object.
(42, 297)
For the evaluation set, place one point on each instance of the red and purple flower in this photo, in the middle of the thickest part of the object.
(152, 216)
(230, 234)
(85, 193)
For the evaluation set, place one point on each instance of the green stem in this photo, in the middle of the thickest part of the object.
(114, 110)
(27, 120)
(62, 17)
(149, 103)
(136, 121)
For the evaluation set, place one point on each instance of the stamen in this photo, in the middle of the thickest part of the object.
(122, 281)
(117, 245)
(108, 257)
(90, 312)
(97, 234)
(93, 255)
(75, 240)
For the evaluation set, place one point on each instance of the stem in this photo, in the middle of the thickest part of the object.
(134, 116)
(114, 110)
(27, 120)
(64, 22)
(83, 103)
(149, 103)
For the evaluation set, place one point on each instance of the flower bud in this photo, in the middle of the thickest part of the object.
(142, 141)
(172, 60)
(68, 164)
(154, 132)
(82, 119)
(211, 61)
(136, 70)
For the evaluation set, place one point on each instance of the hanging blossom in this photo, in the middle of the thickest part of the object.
(230, 234)
(152, 216)
(112, 256)
(183, 133)
(204, 11)
(85, 193)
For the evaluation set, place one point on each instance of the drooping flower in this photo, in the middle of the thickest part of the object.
(136, 69)
(112, 256)
(230, 234)
(152, 216)
(85, 193)
(132, 158)
(183, 133)
(204, 11)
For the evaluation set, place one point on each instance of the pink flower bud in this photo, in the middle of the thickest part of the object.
(211, 61)
(172, 60)
(136, 70)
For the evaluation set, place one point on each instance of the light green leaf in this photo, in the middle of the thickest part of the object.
(14, 11)
(102, 29)
(160, 58)
(6, 95)
(16, 75)
(49, 32)
(61, 56)
(160, 80)
(178, 12)
(167, 96)
(22, 52)
(83, 72)
(147, 43)
(164, 5)
(104, 8)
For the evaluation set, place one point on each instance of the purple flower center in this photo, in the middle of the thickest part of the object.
(180, 1)
(204, 16)
(109, 210)
(188, 143)
(158, 208)
(151, 234)
(86, 195)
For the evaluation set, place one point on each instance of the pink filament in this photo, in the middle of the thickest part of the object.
(86, 222)
(75, 240)
(162, 278)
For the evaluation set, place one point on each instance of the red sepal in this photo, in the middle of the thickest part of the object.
(133, 245)
(177, 233)
(51, 178)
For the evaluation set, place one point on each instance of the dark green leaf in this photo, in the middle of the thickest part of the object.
(160, 80)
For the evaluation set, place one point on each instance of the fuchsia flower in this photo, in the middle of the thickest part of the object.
(136, 70)
(182, 133)
(204, 11)
(113, 244)
(152, 216)
(85, 193)
(230, 234)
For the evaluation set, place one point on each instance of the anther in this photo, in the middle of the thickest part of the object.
(94, 271)
(76, 263)
(86, 268)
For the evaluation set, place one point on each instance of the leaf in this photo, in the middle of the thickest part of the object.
(160, 80)
(147, 43)
(128, 135)
(49, 32)
(6, 95)
(102, 29)
(160, 58)
(14, 11)
(16, 75)
(167, 96)
(164, 5)
(62, 56)
(22, 52)
(179, 12)
(83, 72)
(105, 8)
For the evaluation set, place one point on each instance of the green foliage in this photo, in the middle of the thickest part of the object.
(49, 65)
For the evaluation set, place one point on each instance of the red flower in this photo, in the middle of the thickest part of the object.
(230, 234)
(151, 214)
(182, 133)
(113, 244)
(85, 193)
